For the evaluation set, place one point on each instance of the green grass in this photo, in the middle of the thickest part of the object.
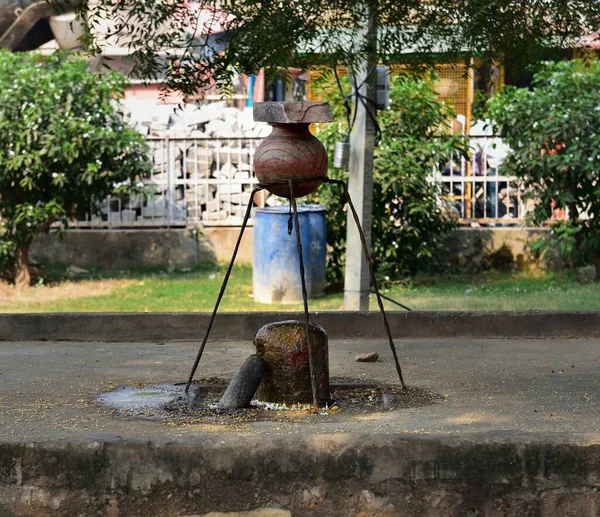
(197, 291)
(501, 292)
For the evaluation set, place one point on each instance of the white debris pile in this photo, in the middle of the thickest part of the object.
(211, 120)
(202, 159)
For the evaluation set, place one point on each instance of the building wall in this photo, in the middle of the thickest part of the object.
(152, 91)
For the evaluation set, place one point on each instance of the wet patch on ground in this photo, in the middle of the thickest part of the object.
(168, 402)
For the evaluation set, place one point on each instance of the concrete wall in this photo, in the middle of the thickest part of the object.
(469, 248)
(304, 475)
(123, 249)
(476, 248)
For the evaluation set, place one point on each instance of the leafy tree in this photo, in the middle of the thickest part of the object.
(412, 217)
(64, 145)
(409, 217)
(169, 40)
(175, 42)
(554, 133)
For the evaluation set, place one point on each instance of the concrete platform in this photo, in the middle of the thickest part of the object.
(517, 433)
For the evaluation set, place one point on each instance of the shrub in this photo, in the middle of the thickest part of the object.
(409, 217)
(554, 133)
(64, 145)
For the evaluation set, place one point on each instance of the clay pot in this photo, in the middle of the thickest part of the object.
(290, 152)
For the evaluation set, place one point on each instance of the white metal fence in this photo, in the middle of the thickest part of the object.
(193, 180)
(476, 191)
(209, 181)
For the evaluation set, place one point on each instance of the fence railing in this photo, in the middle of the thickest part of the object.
(193, 180)
(209, 181)
(475, 191)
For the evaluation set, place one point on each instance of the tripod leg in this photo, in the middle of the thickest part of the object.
(373, 279)
(313, 382)
(223, 287)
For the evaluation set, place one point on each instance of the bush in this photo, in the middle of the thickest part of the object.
(63, 146)
(409, 217)
(554, 133)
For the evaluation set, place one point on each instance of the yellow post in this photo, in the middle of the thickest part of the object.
(468, 117)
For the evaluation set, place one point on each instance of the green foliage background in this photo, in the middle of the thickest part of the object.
(167, 40)
(64, 144)
(409, 216)
(554, 134)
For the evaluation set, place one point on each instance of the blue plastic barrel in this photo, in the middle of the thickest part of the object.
(276, 272)
(318, 248)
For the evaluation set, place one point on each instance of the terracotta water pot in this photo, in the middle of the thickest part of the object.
(290, 152)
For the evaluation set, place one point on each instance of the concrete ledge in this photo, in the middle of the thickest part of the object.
(138, 327)
(334, 475)
(517, 434)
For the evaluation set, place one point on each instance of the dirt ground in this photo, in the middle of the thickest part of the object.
(67, 289)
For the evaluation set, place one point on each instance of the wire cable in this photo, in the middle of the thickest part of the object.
(345, 97)
(393, 301)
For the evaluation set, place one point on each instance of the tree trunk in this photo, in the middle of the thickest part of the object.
(573, 213)
(22, 275)
(596, 262)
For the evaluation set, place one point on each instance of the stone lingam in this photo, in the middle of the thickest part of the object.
(291, 361)
(280, 371)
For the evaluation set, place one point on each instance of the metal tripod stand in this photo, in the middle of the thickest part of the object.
(294, 213)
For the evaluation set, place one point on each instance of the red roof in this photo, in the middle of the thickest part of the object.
(591, 41)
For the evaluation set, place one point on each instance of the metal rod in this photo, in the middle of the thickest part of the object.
(373, 279)
(223, 287)
(392, 301)
(313, 382)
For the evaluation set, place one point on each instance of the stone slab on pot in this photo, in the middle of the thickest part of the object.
(292, 112)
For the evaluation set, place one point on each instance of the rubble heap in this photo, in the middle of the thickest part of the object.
(203, 172)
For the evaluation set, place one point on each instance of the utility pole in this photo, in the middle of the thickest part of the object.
(357, 282)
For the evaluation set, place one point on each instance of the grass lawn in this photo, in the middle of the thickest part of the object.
(197, 291)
